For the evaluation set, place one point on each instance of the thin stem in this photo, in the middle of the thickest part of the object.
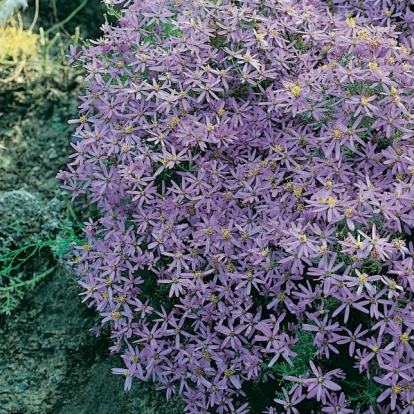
(36, 16)
(69, 18)
(36, 278)
(16, 72)
(57, 19)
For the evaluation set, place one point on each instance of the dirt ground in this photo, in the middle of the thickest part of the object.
(50, 363)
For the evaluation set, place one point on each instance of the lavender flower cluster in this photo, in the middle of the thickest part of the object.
(381, 12)
(252, 167)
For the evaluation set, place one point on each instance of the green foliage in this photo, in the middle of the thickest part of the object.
(330, 303)
(113, 12)
(365, 392)
(58, 124)
(14, 276)
(12, 283)
(305, 352)
(169, 29)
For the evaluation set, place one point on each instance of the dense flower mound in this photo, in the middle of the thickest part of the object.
(251, 164)
(381, 13)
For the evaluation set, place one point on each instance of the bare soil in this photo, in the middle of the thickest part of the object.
(50, 363)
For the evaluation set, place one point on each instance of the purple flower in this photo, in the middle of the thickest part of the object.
(326, 272)
(321, 384)
(128, 377)
(337, 405)
(289, 402)
(394, 388)
(250, 166)
(352, 338)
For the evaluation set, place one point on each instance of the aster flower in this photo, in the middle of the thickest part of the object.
(352, 338)
(394, 289)
(354, 245)
(326, 272)
(299, 385)
(124, 372)
(132, 359)
(379, 245)
(394, 388)
(299, 242)
(337, 405)
(238, 409)
(362, 104)
(409, 407)
(329, 205)
(375, 301)
(321, 327)
(289, 402)
(397, 370)
(227, 152)
(363, 281)
(321, 384)
(231, 334)
(375, 351)
(404, 269)
(348, 301)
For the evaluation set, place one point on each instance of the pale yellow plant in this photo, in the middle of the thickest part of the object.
(16, 43)
(21, 49)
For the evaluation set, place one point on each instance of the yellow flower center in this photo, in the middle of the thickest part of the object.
(396, 389)
(358, 245)
(209, 127)
(213, 298)
(297, 192)
(348, 212)
(363, 278)
(296, 90)
(351, 22)
(226, 234)
(116, 315)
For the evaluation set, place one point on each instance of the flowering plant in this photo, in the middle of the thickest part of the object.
(252, 166)
(398, 13)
